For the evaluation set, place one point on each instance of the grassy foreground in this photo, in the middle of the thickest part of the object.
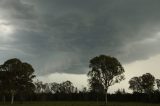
(77, 104)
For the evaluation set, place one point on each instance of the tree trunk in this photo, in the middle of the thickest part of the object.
(106, 99)
(97, 98)
(12, 97)
(4, 99)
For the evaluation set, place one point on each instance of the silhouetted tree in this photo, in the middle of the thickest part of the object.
(66, 87)
(148, 82)
(19, 77)
(46, 88)
(120, 91)
(55, 87)
(107, 70)
(135, 84)
(144, 83)
(158, 84)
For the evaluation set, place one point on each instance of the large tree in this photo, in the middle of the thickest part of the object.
(142, 84)
(19, 77)
(106, 70)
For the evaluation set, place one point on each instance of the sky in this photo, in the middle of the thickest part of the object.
(59, 37)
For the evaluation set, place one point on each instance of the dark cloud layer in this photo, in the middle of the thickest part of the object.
(62, 35)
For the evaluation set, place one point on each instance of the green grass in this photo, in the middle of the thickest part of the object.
(78, 104)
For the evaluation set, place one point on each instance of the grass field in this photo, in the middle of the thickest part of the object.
(77, 104)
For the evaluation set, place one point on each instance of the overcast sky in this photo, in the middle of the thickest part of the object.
(59, 37)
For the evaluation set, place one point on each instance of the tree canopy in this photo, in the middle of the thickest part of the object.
(106, 70)
(142, 84)
(18, 77)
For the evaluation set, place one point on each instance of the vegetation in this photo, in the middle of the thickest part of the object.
(143, 84)
(16, 84)
(105, 72)
(16, 77)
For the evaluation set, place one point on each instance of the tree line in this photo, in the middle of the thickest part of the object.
(16, 83)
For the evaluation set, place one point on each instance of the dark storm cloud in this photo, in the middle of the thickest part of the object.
(15, 9)
(62, 35)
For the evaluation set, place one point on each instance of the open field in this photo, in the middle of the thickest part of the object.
(78, 104)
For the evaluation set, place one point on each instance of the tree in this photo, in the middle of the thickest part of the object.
(66, 87)
(148, 82)
(55, 87)
(19, 77)
(120, 91)
(135, 84)
(142, 84)
(46, 88)
(158, 83)
(106, 70)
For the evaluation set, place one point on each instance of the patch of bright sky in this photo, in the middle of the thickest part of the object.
(6, 30)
